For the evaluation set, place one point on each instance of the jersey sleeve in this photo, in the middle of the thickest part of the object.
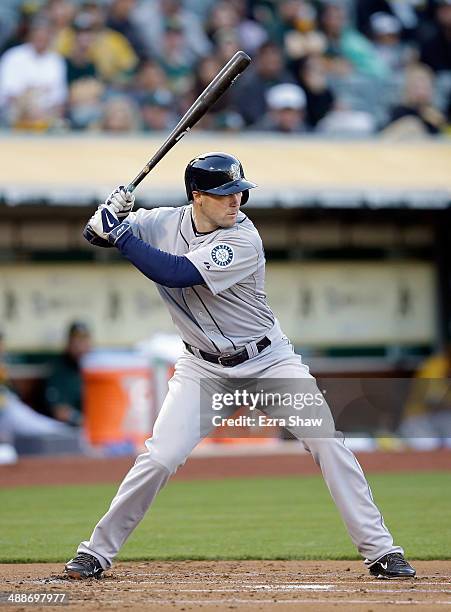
(142, 223)
(226, 263)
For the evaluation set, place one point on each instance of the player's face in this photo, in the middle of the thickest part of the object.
(213, 211)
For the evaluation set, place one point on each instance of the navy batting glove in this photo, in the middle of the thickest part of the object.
(92, 238)
(106, 225)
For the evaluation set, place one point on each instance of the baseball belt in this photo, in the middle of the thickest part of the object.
(228, 360)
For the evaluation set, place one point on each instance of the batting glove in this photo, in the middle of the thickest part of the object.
(121, 201)
(106, 224)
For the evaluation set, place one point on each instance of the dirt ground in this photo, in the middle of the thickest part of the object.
(235, 585)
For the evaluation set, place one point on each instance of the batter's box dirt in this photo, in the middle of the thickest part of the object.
(234, 585)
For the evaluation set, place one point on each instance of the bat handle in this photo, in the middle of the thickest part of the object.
(131, 188)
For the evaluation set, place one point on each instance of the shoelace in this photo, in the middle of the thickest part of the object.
(397, 557)
(85, 559)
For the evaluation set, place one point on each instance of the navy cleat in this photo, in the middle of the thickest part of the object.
(392, 565)
(83, 566)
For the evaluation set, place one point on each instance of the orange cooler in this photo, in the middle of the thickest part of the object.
(119, 405)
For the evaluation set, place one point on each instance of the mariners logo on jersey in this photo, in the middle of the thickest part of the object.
(222, 255)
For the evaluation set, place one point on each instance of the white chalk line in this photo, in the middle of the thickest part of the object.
(226, 590)
(330, 589)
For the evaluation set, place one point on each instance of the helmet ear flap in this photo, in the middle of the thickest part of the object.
(244, 197)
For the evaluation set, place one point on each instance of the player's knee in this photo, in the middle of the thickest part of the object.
(170, 458)
(320, 448)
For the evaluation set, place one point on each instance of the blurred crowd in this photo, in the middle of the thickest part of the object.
(329, 67)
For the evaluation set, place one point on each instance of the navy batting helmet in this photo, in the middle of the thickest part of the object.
(218, 174)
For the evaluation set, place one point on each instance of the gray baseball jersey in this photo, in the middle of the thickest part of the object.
(230, 309)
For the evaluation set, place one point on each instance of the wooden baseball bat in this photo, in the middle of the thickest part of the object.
(222, 81)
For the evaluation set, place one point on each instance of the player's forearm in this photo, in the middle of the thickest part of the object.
(161, 267)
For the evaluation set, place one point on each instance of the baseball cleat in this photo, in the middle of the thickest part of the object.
(392, 565)
(83, 566)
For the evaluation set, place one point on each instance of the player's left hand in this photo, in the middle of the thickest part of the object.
(106, 224)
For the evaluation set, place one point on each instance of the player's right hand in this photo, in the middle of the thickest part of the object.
(121, 201)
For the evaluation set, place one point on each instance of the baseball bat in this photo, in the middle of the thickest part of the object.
(222, 81)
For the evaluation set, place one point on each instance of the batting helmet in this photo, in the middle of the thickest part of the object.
(218, 174)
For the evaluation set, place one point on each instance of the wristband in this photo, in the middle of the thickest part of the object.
(117, 232)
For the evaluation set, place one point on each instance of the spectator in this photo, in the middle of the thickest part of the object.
(79, 63)
(120, 115)
(222, 16)
(393, 53)
(60, 13)
(299, 46)
(227, 44)
(251, 34)
(120, 18)
(64, 386)
(411, 14)
(230, 18)
(174, 58)
(347, 49)
(436, 50)
(85, 104)
(151, 19)
(294, 23)
(150, 77)
(33, 85)
(312, 77)
(286, 109)
(267, 70)
(418, 102)
(112, 54)
(157, 112)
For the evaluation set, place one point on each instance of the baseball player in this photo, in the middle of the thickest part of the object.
(208, 263)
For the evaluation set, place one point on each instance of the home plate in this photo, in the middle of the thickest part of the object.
(293, 587)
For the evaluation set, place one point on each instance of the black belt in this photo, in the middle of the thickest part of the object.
(228, 360)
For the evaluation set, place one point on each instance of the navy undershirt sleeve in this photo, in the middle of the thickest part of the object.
(161, 267)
